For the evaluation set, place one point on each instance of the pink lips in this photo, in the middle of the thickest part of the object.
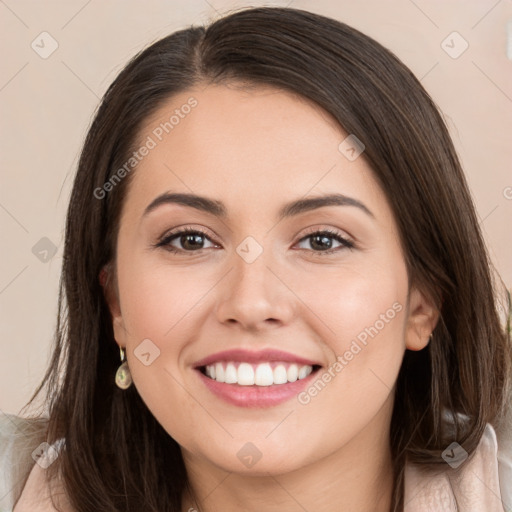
(241, 355)
(255, 396)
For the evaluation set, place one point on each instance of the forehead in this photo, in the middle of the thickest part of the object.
(258, 146)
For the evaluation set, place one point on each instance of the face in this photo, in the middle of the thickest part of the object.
(321, 291)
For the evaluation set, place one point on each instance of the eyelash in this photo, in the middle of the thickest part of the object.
(167, 239)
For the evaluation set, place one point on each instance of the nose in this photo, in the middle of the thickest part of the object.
(255, 295)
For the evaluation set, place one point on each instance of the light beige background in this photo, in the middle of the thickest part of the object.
(47, 105)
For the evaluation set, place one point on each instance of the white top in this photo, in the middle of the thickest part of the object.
(482, 485)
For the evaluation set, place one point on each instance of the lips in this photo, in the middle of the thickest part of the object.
(255, 379)
(247, 356)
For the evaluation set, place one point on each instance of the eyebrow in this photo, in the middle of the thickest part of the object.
(291, 209)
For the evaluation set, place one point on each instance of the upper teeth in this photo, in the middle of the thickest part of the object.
(259, 374)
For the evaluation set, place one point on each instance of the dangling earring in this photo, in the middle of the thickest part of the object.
(123, 375)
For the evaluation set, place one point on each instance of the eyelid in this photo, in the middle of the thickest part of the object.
(187, 227)
(332, 230)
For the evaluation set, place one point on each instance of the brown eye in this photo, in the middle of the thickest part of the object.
(191, 240)
(321, 243)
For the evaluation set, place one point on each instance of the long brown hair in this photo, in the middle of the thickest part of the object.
(117, 457)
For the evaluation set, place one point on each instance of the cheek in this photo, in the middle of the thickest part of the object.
(364, 311)
(157, 299)
(360, 313)
(158, 304)
(357, 304)
(161, 303)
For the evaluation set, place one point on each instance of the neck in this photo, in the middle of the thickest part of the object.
(358, 476)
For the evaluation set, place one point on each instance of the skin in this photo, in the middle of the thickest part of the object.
(255, 149)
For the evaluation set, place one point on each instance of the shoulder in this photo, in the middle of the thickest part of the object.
(504, 436)
(22, 453)
(35, 496)
(462, 485)
(18, 438)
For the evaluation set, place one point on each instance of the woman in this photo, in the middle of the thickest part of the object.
(277, 291)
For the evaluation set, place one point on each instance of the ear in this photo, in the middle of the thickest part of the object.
(108, 282)
(422, 319)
